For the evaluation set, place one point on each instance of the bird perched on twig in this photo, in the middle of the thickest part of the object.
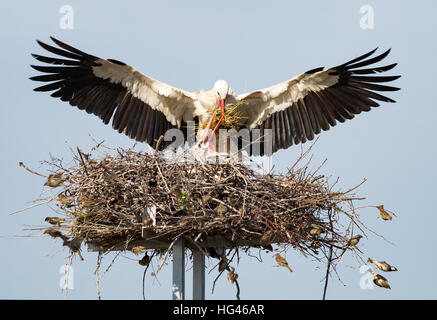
(316, 230)
(315, 245)
(138, 250)
(55, 220)
(74, 245)
(221, 210)
(380, 281)
(54, 180)
(87, 201)
(384, 214)
(354, 240)
(223, 263)
(232, 276)
(145, 261)
(268, 237)
(211, 252)
(282, 262)
(55, 234)
(267, 247)
(382, 265)
(65, 200)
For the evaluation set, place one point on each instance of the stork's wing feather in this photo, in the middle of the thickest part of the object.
(141, 107)
(298, 109)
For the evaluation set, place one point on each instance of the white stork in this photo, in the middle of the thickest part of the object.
(144, 108)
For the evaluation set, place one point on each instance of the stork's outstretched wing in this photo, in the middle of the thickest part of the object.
(144, 108)
(301, 107)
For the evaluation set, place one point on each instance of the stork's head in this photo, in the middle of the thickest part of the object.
(222, 89)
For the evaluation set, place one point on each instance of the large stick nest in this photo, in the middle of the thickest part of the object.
(119, 199)
(105, 201)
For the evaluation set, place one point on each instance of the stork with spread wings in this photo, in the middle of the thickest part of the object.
(144, 108)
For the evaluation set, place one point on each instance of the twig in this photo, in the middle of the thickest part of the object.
(21, 164)
(166, 254)
(83, 162)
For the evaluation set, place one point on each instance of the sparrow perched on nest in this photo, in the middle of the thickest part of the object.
(380, 281)
(221, 210)
(315, 245)
(54, 180)
(282, 262)
(74, 244)
(316, 230)
(55, 234)
(267, 247)
(382, 265)
(268, 236)
(223, 263)
(145, 261)
(65, 200)
(55, 220)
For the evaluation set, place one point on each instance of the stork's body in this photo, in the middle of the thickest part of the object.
(144, 108)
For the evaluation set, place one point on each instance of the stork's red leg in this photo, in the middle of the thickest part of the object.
(222, 108)
(205, 135)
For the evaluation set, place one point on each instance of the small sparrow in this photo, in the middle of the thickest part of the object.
(206, 198)
(55, 234)
(55, 220)
(384, 214)
(223, 264)
(221, 209)
(138, 250)
(316, 230)
(66, 201)
(267, 237)
(213, 253)
(382, 265)
(175, 190)
(282, 262)
(380, 281)
(232, 276)
(74, 245)
(315, 245)
(354, 240)
(86, 201)
(148, 222)
(145, 261)
(54, 180)
(267, 247)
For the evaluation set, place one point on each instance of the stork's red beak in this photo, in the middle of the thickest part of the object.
(222, 104)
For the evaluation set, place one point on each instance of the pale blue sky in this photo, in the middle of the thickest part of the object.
(251, 44)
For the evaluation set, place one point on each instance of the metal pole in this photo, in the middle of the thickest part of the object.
(198, 275)
(178, 287)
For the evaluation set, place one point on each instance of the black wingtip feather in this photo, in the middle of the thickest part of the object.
(375, 69)
(364, 56)
(369, 61)
(59, 51)
(37, 68)
(375, 78)
(65, 46)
